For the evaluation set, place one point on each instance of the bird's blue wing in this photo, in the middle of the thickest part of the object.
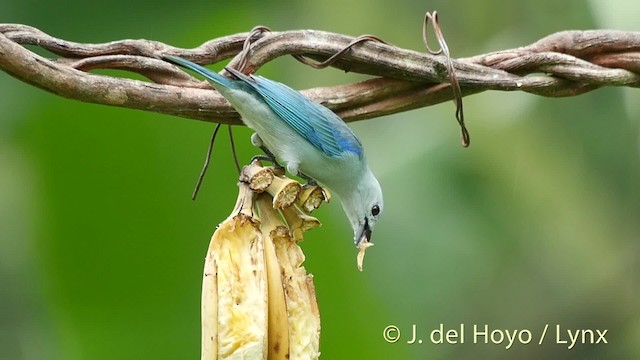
(319, 125)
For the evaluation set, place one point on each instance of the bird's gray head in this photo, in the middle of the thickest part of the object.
(363, 207)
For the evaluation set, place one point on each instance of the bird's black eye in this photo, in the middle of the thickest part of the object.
(375, 210)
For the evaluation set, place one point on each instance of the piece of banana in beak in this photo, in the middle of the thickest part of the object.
(258, 302)
(362, 247)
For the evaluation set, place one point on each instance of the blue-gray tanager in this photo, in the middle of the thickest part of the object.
(309, 139)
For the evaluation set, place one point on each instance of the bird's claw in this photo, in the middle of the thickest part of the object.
(309, 184)
(310, 181)
(278, 168)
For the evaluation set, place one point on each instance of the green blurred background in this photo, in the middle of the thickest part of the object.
(101, 247)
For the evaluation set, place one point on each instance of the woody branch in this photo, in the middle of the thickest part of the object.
(567, 63)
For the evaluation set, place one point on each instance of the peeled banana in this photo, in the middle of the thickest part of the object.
(258, 302)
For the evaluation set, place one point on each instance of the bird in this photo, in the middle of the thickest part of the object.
(308, 138)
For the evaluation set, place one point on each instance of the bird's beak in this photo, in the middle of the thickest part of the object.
(364, 233)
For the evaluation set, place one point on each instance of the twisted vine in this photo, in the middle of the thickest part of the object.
(567, 63)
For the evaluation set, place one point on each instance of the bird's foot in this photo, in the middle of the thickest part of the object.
(310, 182)
(279, 168)
(256, 140)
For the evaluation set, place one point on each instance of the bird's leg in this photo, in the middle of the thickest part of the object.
(257, 141)
(308, 179)
(292, 168)
(262, 158)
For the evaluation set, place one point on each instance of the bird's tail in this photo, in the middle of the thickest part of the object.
(212, 76)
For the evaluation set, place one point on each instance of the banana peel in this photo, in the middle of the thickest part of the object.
(298, 221)
(278, 327)
(234, 290)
